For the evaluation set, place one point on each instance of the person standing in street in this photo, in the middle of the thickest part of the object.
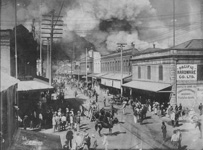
(173, 118)
(164, 130)
(86, 141)
(69, 137)
(199, 125)
(77, 120)
(104, 101)
(200, 109)
(124, 106)
(63, 122)
(25, 122)
(96, 95)
(54, 122)
(179, 135)
(93, 143)
(105, 142)
(174, 139)
(75, 93)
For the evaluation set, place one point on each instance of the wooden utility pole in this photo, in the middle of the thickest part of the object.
(49, 22)
(86, 63)
(16, 51)
(121, 45)
(174, 20)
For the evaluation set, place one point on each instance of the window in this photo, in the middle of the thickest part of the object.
(200, 73)
(113, 66)
(124, 65)
(148, 72)
(139, 72)
(160, 72)
(127, 65)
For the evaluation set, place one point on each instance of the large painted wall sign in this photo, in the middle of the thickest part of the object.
(186, 72)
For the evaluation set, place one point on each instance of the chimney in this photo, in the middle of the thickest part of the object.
(134, 50)
(154, 45)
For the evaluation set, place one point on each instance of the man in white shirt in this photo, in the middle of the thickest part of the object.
(175, 139)
(63, 120)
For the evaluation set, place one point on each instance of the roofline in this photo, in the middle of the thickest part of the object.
(165, 50)
(116, 53)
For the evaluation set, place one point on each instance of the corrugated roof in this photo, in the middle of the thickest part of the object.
(192, 44)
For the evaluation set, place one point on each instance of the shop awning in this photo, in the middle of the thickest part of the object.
(92, 75)
(7, 81)
(99, 75)
(115, 76)
(148, 86)
(32, 85)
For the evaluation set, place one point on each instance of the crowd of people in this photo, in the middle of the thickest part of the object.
(67, 118)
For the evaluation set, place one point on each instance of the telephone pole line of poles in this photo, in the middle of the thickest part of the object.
(121, 45)
(49, 22)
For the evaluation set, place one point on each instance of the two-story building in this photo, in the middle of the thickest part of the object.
(113, 72)
(172, 75)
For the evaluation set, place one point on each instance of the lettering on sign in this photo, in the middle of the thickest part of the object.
(187, 72)
(186, 95)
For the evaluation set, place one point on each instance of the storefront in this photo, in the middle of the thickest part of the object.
(171, 75)
(189, 85)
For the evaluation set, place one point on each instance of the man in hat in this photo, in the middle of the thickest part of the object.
(69, 137)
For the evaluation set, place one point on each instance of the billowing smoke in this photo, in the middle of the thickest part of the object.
(102, 24)
(108, 22)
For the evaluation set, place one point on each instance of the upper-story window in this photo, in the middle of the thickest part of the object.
(148, 72)
(124, 65)
(160, 72)
(119, 66)
(139, 72)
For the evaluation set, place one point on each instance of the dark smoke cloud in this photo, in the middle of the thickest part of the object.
(101, 24)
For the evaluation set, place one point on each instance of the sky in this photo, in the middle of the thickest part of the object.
(102, 24)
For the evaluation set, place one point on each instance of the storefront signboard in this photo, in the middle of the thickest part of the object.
(109, 82)
(186, 95)
(103, 81)
(186, 72)
(117, 84)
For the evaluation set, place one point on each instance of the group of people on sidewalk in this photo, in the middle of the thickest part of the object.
(68, 119)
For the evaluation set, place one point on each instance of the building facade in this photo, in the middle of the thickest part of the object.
(96, 62)
(113, 72)
(169, 75)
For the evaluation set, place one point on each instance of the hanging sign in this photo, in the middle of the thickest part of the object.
(186, 72)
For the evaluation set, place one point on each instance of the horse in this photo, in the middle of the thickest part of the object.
(106, 122)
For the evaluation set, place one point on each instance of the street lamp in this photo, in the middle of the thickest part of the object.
(121, 45)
